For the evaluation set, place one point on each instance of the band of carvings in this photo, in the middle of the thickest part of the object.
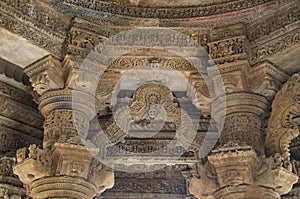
(165, 13)
(42, 27)
(274, 46)
(273, 23)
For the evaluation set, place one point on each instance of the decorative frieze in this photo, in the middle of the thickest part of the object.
(165, 12)
(229, 50)
(34, 22)
(271, 47)
(227, 32)
(280, 19)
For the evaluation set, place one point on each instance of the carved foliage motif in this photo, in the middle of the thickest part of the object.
(200, 36)
(141, 62)
(281, 126)
(221, 33)
(226, 48)
(242, 127)
(107, 88)
(40, 14)
(199, 92)
(155, 37)
(147, 97)
(62, 126)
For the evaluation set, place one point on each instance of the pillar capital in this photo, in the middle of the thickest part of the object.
(237, 172)
(66, 170)
(46, 74)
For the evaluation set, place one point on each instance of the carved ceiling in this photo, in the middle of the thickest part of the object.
(253, 44)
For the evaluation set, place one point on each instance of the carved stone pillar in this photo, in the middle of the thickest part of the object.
(20, 126)
(65, 167)
(239, 168)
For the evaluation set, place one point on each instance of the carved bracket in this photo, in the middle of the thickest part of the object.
(46, 74)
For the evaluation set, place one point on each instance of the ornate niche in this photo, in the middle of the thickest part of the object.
(155, 118)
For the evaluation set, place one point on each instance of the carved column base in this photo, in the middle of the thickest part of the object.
(245, 191)
(62, 187)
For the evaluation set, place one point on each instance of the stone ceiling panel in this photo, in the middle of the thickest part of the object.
(18, 50)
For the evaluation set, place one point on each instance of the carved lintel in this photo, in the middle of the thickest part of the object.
(269, 48)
